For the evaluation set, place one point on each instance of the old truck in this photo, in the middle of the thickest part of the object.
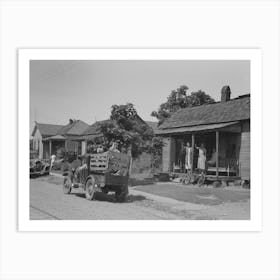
(104, 172)
(38, 168)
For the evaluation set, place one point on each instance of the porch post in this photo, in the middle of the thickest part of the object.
(217, 153)
(50, 147)
(192, 150)
(171, 163)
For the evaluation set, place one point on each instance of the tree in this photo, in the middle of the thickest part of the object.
(123, 115)
(180, 99)
(126, 128)
(155, 149)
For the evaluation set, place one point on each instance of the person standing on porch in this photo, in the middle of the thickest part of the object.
(201, 157)
(189, 154)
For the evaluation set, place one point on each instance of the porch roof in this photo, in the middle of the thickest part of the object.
(55, 137)
(236, 109)
(196, 128)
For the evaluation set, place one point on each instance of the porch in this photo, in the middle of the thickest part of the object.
(221, 141)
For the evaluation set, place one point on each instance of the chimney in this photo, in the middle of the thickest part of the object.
(70, 121)
(225, 94)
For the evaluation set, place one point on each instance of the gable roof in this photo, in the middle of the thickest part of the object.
(94, 128)
(233, 110)
(75, 128)
(46, 129)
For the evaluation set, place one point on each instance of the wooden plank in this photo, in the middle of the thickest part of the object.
(165, 154)
(110, 161)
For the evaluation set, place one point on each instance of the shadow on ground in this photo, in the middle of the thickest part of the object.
(111, 197)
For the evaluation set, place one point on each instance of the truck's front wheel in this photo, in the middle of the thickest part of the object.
(67, 185)
(90, 189)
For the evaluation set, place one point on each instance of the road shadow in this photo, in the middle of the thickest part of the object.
(140, 182)
(132, 198)
(111, 197)
(82, 195)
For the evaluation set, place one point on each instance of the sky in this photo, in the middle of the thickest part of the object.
(86, 89)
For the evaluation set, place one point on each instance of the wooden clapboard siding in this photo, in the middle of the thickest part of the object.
(37, 143)
(168, 154)
(244, 158)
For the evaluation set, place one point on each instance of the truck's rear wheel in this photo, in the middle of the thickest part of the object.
(67, 185)
(105, 190)
(121, 196)
(90, 189)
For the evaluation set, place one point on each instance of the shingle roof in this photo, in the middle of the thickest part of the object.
(234, 110)
(55, 137)
(94, 128)
(75, 128)
(46, 129)
(204, 127)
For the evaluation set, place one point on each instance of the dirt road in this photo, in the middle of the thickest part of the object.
(47, 201)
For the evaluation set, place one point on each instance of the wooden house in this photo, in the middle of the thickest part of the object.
(223, 127)
(49, 138)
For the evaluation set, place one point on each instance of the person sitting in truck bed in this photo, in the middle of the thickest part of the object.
(100, 149)
(114, 147)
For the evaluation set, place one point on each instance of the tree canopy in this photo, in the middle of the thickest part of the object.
(179, 99)
(126, 128)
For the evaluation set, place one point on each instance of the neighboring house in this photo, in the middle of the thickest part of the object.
(153, 125)
(93, 130)
(49, 138)
(223, 127)
(40, 132)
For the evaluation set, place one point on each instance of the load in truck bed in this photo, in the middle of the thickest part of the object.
(113, 162)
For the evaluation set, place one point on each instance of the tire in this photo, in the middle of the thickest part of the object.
(186, 180)
(67, 185)
(90, 189)
(121, 196)
(201, 180)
